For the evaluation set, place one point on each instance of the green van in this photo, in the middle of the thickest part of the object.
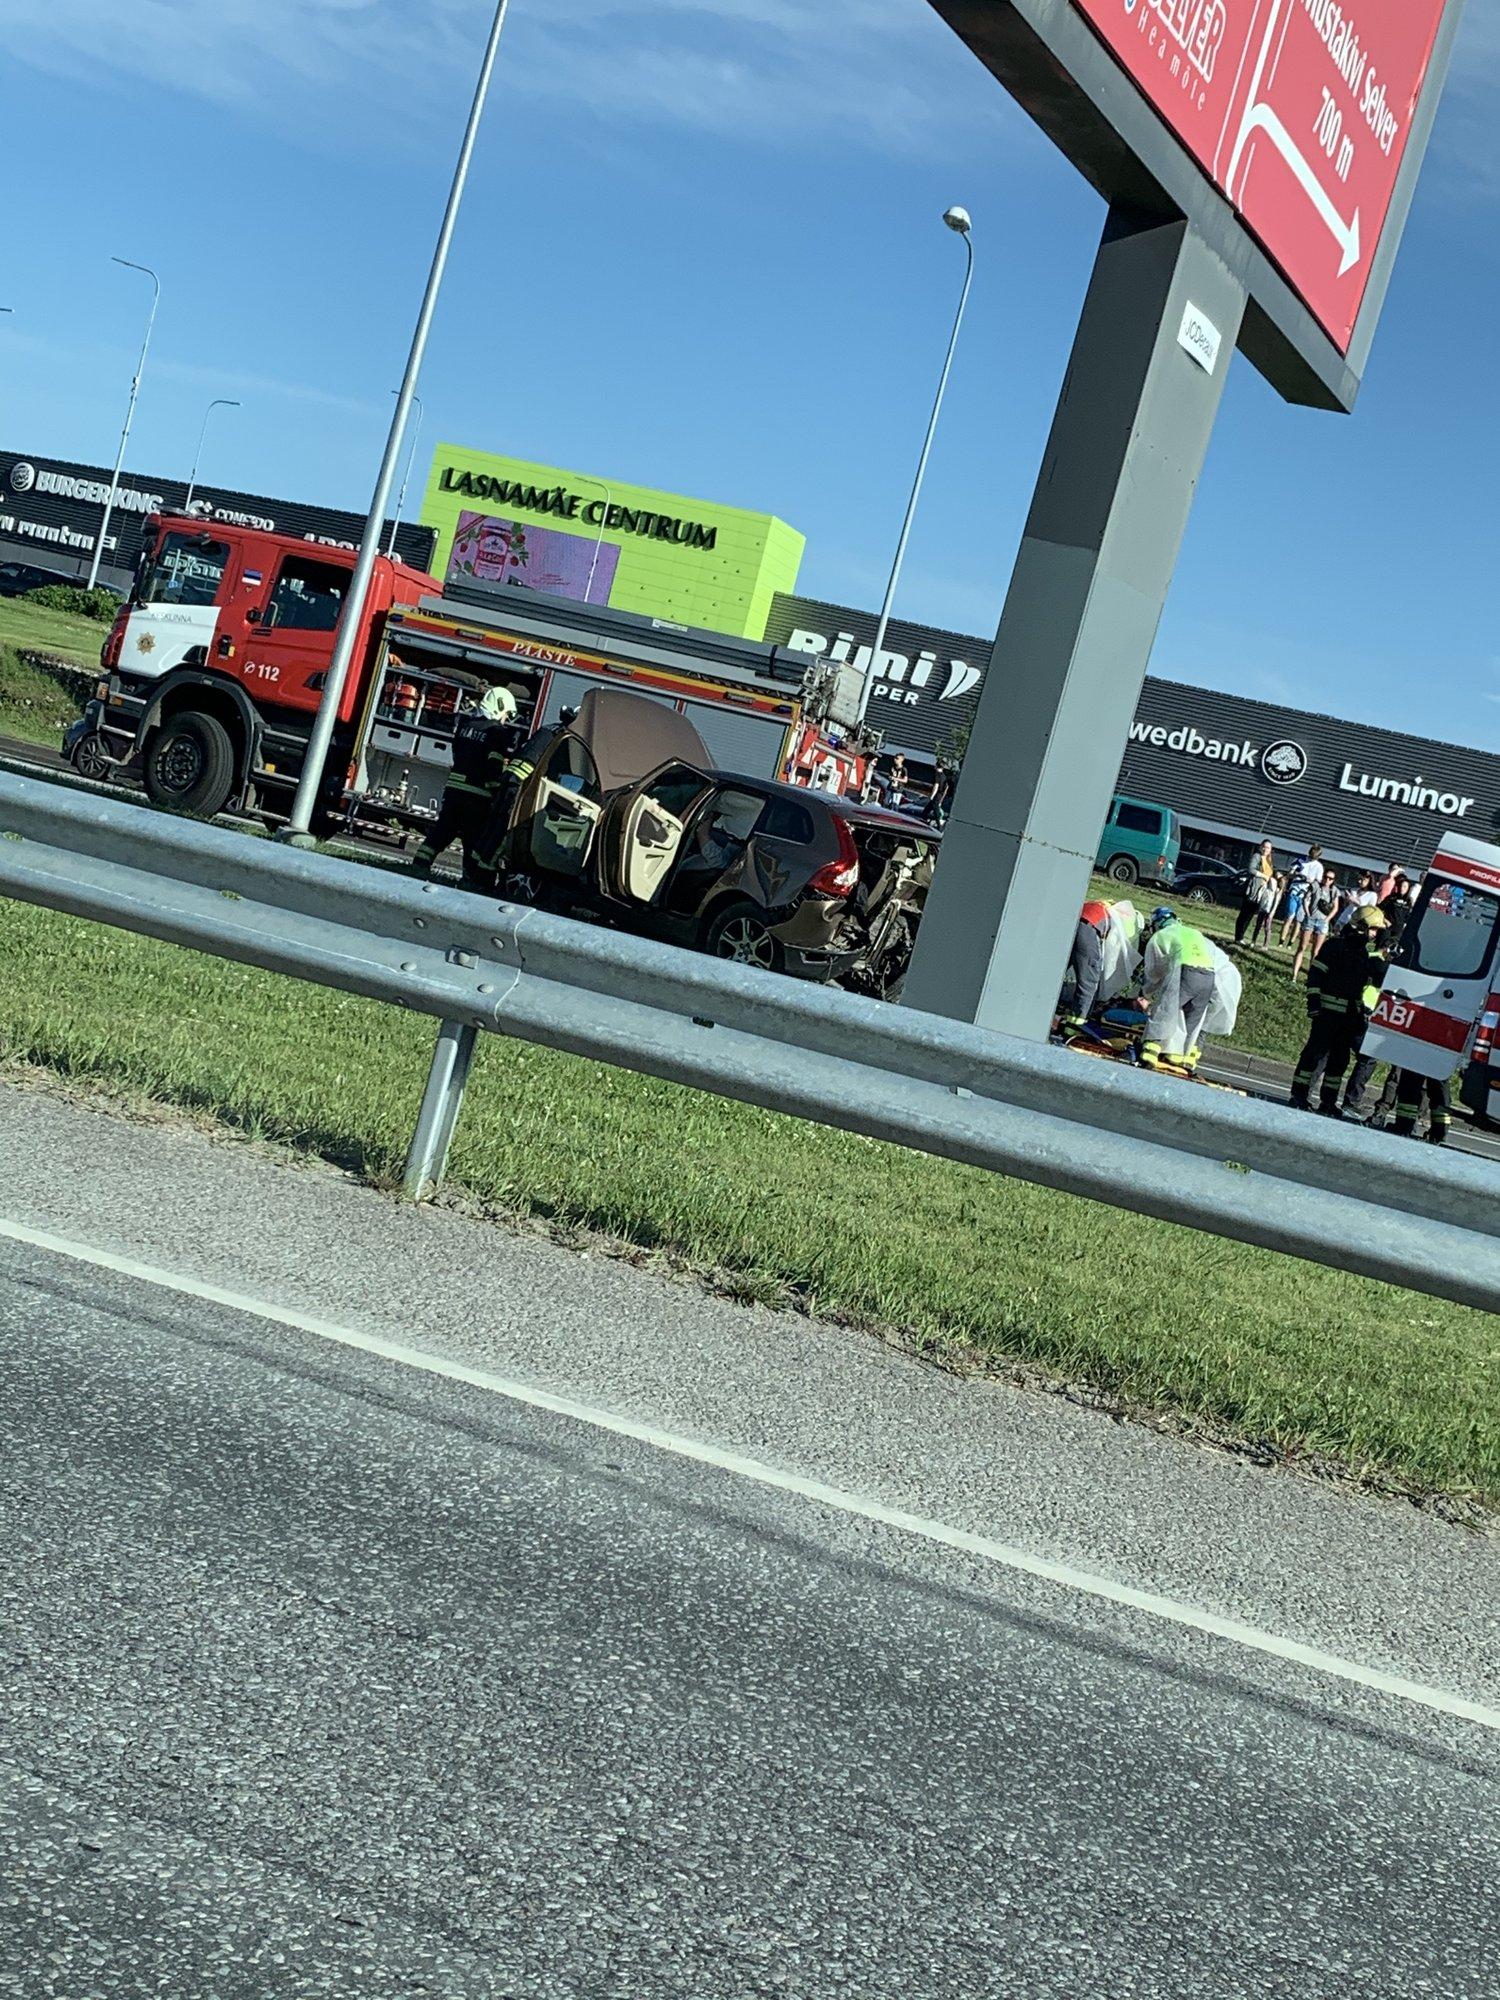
(1141, 842)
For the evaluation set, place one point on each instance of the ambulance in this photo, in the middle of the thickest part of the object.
(1439, 1007)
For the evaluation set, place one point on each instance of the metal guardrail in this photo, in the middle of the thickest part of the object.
(1230, 1166)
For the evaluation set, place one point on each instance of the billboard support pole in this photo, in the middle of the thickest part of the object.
(1122, 464)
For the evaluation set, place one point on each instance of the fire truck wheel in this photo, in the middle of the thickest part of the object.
(190, 765)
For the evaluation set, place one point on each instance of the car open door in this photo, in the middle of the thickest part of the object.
(1441, 972)
(642, 835)
(556, 817)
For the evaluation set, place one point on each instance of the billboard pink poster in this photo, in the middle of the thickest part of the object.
(488, 550)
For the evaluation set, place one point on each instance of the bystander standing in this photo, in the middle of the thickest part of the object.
(1259, 892)
(1265, 923)
(1306, 875)
(1319, 908)
(1396, 909)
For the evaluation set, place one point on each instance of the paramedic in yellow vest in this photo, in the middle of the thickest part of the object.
(1176, 984)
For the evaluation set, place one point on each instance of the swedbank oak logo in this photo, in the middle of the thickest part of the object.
(1284, 763)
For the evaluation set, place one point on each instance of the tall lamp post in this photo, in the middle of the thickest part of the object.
(390, 547)
(218, 403)
(957, 220)
(308, 786)
(135, 390)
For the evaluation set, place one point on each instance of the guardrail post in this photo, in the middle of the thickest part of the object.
(427, 1161)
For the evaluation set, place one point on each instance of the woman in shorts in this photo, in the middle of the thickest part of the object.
(1319, 907)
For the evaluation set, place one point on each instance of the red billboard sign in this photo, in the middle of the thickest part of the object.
(1300, 112)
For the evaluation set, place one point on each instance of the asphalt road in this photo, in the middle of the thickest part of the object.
(326, 1674)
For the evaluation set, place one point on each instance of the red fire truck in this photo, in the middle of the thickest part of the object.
(217, 662)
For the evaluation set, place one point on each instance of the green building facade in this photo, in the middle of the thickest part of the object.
(572, 534)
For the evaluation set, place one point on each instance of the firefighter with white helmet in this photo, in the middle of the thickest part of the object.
(483, 740)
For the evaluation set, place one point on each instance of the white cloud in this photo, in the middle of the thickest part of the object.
(97, 359)
(259, 388)
(882, 69)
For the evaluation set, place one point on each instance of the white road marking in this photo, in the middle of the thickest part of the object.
(1002, 1554)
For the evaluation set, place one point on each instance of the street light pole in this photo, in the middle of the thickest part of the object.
(218, 403)
(135, 390)
(406, 476)
(349, 624)
(957, 220)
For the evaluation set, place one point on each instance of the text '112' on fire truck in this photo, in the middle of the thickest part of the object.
(217, 662)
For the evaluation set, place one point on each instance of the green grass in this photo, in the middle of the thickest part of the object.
(36, 704)
(41, 694)
(30, 628)
(1313, 1364)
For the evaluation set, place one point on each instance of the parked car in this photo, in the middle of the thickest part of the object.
(19, 578)
(626, 818)
(87, 748)
(1204, 880)
(1141, 842)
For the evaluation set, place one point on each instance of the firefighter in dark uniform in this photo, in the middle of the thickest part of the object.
(1412, 1091)
(483, 741)
(520, 764)
(1342, 985)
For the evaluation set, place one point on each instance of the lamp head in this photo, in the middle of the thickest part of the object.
(958, 219)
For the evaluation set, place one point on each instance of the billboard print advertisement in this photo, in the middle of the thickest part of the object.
(1299, 111)
(487, 549)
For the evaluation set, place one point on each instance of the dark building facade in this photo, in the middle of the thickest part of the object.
(1236, 771)
(51, 510)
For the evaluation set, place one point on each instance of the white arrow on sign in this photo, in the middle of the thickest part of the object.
(1261, 118)
(1345, 234)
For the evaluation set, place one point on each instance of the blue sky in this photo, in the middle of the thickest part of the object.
(702, 250)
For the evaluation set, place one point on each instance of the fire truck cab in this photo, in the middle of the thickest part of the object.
(217, 661)
(1440, 1000)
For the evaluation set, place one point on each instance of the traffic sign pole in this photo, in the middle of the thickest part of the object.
(1142, 391)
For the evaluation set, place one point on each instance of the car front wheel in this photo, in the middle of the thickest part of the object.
(740, 933)
(1200, 895)
(92, 760)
